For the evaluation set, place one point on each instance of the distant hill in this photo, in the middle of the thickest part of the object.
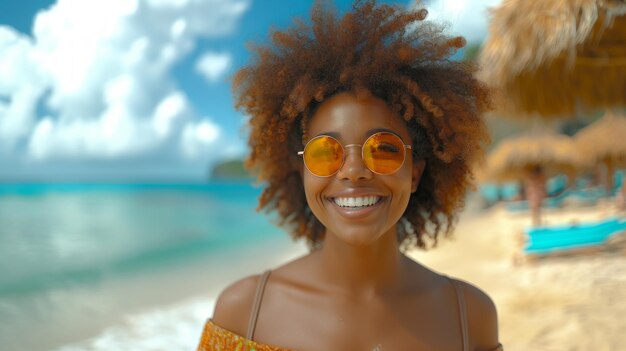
(229, 170)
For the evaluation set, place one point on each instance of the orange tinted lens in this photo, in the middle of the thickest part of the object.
(383, 153)
(323, 156)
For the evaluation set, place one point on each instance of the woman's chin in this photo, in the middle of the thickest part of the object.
(359, 237)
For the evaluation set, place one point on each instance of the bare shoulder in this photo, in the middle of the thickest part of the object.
(482, 317)
(234, 305)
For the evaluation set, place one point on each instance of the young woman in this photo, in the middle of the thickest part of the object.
(363, 131)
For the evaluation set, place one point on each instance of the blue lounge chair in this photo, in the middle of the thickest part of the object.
(564, 238)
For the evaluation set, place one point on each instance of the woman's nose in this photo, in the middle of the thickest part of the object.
(353, 167)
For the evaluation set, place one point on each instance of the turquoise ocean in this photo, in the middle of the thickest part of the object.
(125, 266)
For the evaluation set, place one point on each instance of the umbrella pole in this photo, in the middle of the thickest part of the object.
(536, 192)
(610, 169)
(621, 197)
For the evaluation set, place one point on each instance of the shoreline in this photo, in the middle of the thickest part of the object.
(137, 308)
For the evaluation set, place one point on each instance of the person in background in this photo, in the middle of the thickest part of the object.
(363, 132)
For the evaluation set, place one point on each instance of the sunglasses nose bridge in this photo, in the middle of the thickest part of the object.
(352, 165)
(346, 147)
(358, 151)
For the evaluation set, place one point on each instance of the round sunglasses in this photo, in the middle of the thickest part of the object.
(382, 153)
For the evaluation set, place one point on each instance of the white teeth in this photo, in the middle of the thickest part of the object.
(363, 201)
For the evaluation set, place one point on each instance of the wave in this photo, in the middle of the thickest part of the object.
(177, 328)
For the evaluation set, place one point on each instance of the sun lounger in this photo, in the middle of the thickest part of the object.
(549, 240)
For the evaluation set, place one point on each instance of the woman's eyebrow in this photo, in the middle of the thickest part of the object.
(332, 134)
(378, 130)
(368, 133)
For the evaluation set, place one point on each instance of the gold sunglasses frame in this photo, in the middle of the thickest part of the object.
(343, 147)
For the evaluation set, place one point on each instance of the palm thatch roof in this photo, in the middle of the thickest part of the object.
(604, 140)
(515, 157)
(556, 58)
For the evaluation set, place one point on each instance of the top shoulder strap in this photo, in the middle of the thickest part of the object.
(258, 297)
(462, 311)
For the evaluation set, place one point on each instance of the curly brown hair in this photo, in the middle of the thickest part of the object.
(385, 51)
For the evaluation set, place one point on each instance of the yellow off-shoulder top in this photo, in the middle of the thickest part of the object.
(215, 338)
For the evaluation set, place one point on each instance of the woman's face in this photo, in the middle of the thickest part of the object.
(352, 121)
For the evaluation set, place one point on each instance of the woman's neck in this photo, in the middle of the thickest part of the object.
(362, 269)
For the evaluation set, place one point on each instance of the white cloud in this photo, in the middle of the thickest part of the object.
(101, 72)
(41, 136)
(468, 18)
(206, 132)
(21, 86)
(213, 65)
(197, 139)
(172, 107)
(209, 17)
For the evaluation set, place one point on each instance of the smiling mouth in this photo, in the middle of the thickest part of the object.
(356, 202)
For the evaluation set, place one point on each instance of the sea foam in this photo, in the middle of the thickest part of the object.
(174, 328)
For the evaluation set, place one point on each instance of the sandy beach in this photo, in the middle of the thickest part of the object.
(575, 302)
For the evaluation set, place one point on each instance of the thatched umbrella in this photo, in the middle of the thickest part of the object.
(556, 58)
(513, 157)
(604, 143)
(533, 157)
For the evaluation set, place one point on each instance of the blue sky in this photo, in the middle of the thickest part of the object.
(139, 89)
